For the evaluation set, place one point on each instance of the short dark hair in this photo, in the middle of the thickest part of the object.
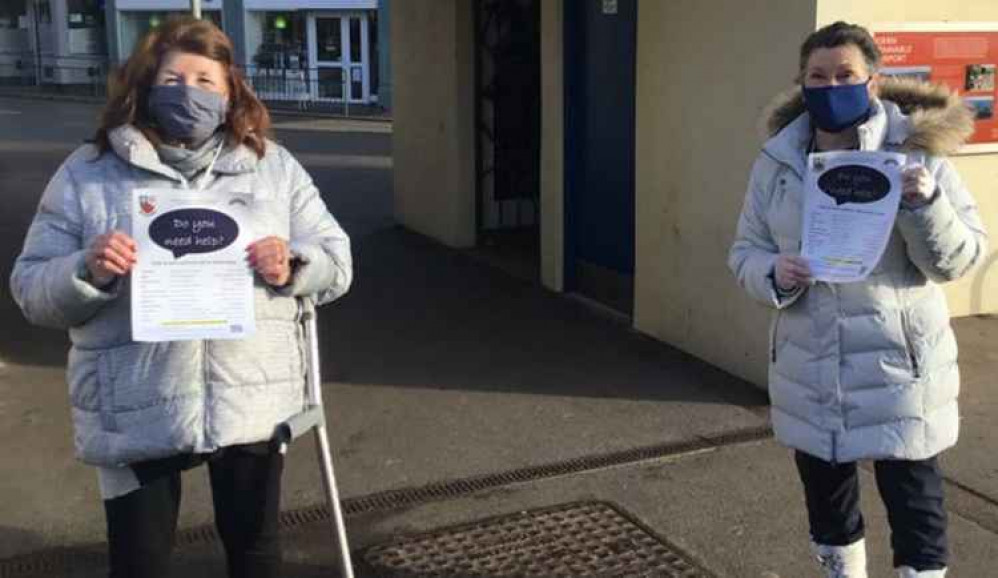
(840, 34)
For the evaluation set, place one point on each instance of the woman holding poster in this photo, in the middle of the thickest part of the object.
(181, 119)
(863, 370)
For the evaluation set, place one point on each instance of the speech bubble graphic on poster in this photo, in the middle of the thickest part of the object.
(854, 184)
(192, 231)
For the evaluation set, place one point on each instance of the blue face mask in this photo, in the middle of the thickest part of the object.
(836, 108)
(186, 113)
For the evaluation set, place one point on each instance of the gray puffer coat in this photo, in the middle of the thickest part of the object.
(866, 369)
(137, 401)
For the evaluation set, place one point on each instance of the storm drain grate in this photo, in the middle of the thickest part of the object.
(571, 540)
(51, 563)
(58, 562)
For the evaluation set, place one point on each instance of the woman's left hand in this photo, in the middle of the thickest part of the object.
(918, 186)
(271, 258)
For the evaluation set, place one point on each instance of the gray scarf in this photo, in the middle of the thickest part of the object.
(190, 162)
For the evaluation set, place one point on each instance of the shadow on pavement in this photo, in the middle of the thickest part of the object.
(19, 540)
(426, 316)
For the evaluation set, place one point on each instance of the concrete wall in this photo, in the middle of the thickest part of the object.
(553, 144)
(384, 54)
(695, 148)
(977, 293)
(434, 142)
(705, 72)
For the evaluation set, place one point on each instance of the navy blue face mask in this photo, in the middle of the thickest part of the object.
(186, 113)
(836, 108)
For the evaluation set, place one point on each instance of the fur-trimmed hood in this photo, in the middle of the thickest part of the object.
(940, 122)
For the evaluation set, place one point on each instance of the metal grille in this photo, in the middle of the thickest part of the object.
(507, 114)
(573, 541)
(58, 562)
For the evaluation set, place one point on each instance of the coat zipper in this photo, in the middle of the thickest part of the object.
(838, 375)
(206, 401)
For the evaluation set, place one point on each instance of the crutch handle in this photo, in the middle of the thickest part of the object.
(296, 425)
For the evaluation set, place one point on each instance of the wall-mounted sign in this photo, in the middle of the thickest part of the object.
(609, 6)
(962, 56)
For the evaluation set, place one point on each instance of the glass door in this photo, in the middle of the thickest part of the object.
(337, 49)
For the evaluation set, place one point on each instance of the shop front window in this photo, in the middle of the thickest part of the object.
(283, 44)
(14, 27)
(135, 24)
(279, 63)
(86, 26)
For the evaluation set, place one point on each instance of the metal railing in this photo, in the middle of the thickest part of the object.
(79, 76)
(326, 89)
(319, 90)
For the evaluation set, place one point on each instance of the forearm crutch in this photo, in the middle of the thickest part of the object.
(313, 418)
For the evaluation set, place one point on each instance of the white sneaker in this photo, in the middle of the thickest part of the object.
(842, 561)
(909, 572)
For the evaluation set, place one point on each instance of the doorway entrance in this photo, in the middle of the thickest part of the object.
(600, 79)
(337, 43)
(508, 137)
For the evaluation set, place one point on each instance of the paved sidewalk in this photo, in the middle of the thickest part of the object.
(440, 368)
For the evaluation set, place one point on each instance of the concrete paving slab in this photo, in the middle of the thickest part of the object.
(973, 463)
(737, 510)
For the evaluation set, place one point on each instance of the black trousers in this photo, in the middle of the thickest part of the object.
(246, 490)
(912, 492)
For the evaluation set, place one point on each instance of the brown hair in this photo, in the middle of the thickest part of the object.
(840, 34)
(247, 121)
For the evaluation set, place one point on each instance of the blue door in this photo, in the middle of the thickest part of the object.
(600, 52)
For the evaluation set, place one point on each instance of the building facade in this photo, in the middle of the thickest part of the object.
(295, 50)
(52, 42)
(646, 132)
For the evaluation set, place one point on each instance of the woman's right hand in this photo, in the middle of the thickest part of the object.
(791, 272)
(110, 255)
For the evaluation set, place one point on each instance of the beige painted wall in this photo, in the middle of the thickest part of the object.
(705, 72)
(433, 138)
(976, 293)
(552, 144)
(698, 105)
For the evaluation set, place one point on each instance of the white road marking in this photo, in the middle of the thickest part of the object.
(9, 112)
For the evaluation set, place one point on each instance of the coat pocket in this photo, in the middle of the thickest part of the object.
(909, 345)
(774, 330)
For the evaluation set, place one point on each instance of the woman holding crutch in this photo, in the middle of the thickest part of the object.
(181, 116)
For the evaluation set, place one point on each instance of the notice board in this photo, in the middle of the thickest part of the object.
(961, 55)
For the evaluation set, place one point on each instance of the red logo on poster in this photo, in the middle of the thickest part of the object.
(147, 204)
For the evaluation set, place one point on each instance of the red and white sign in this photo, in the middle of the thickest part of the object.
(962, 56)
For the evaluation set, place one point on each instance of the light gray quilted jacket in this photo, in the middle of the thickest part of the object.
(867, 369)
(137, 401)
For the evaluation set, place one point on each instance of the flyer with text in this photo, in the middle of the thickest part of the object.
(192, 280)
(851, 200)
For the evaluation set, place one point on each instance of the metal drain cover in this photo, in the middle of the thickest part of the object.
(572, 540)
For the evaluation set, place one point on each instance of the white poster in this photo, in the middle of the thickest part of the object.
(192, 279)
(851, 200)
